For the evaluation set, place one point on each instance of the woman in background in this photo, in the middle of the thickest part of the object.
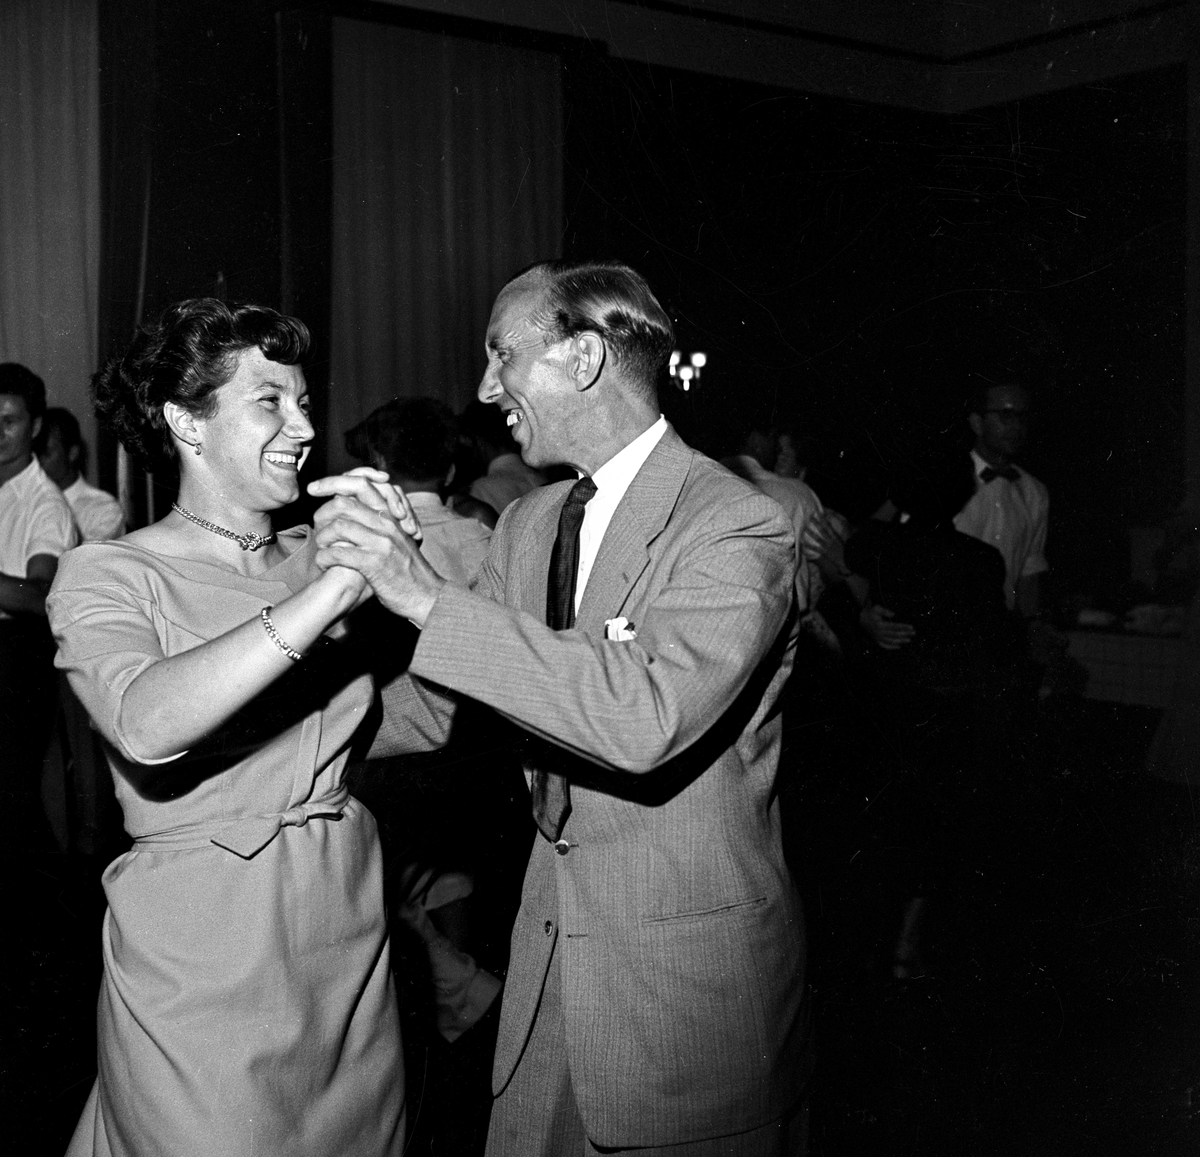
(247, 1003)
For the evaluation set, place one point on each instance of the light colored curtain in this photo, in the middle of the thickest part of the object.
(447, 179)
(50, 195)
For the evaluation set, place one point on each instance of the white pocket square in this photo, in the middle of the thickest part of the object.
(619, 630)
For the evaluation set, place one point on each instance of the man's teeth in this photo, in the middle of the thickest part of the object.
(514, 416)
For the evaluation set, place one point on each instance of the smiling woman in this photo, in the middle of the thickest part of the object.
(247, 1004)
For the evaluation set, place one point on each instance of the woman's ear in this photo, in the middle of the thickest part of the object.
(587, 359)
(182, 424)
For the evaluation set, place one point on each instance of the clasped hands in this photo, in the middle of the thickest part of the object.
(368, 526)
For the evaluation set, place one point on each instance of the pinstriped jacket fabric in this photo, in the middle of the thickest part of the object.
(676, 924)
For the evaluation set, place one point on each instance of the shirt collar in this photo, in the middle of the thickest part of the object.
(620, 470)
(424, 500)
(981, 464)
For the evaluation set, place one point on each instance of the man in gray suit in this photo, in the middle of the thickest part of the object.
(656, 994)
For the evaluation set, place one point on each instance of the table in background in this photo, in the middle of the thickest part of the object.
(1127, 668)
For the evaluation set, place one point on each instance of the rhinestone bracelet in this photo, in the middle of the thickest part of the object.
(276, 638)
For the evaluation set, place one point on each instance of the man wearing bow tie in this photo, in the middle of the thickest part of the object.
(639, 625)
(1010, 507)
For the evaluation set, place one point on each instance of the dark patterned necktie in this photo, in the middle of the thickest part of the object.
(990, 473)
(550, 791)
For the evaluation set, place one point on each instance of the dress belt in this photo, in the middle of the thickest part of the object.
(248, 835)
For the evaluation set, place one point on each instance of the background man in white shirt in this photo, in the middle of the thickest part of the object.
(1010, 508)
(61, 452)
(36, 528)
(74, 764)
(36, 524)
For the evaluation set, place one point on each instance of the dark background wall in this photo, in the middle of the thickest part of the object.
(850, 265)
(217, 147)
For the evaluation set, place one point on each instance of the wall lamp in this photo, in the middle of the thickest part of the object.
(685, 373)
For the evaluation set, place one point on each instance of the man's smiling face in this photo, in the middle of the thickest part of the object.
(526, 378)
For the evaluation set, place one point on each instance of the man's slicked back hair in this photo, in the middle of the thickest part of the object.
(612, 300)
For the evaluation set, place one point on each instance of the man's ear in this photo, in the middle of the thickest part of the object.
(182, 424)
(73, 455)
(976, 424)
(586, 360)
(35, 428)
(449, 475)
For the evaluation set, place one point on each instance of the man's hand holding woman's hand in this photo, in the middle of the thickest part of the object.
(369, 526)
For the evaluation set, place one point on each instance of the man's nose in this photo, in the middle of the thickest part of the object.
(489, 387)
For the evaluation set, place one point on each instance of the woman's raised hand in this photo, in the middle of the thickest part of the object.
(391, 498)
(369, 526)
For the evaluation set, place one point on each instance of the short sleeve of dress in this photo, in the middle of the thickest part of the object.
(104, 627)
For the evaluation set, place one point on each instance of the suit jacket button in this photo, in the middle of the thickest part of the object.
(562, 847)
(549, 927)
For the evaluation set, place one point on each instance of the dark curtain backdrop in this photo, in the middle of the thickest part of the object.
(215, 179)
(447, 178)
(127, 102)
(49, 194)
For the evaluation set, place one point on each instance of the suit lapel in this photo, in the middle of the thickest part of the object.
(639, 519)
(529, 569)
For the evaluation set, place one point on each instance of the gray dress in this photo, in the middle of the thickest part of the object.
(247, 1005)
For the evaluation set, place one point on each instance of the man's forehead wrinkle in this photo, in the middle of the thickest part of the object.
(520, 334)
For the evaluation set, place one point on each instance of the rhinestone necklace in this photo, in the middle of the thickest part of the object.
(249, 541)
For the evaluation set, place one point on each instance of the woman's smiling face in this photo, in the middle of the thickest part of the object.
(255, 443)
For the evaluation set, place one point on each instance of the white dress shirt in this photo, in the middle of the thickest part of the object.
(1012, 517)
(97, 512)
(34, 519)
(612, 480)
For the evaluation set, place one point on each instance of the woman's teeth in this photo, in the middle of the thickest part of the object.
(281, 459)
(514, 416)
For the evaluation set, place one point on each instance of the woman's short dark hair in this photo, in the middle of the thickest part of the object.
(184, 357)
(415, 437)
(615, 302)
